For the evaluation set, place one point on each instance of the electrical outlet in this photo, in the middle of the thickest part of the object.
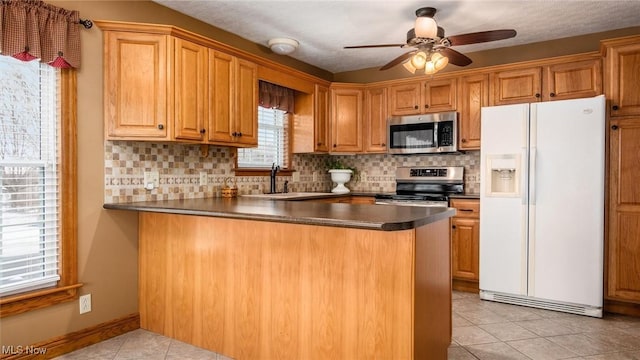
(151, 180)
(295, 177)
(85, 303)
(203, 178)
(363, 176)
(315, 176)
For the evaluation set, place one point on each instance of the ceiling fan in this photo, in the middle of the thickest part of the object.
(431, 48)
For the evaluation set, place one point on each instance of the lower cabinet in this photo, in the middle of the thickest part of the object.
(465, 244)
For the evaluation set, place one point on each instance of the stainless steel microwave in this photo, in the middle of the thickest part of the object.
(423, 134)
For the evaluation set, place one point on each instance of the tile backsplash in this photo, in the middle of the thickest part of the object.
(179, 167)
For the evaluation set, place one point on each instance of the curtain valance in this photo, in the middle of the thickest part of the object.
(276, 97)
(32, 29)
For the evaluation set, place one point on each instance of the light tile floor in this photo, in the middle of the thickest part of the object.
(481, 330)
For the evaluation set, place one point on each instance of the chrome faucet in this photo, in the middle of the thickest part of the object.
(274, 171)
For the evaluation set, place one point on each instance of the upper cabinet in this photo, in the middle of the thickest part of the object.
(190, 93)
(375, 119)
(423, 97)
(136, 78)
(161, 87)
(623, 75)
(346, 118)
(322, 134)
(571, 80)
(311, 130)
(558, 81)
(516, 86)
(474, 94)
(233, 100)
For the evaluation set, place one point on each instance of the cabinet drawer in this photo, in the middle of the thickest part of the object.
(466, 208)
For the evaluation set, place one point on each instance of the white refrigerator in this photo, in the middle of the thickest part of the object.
(542, 204)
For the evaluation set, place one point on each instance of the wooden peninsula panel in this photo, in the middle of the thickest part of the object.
(270, 290)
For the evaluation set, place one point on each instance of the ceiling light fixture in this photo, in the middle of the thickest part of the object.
(283, 46)
(431, 63)
(426, 27)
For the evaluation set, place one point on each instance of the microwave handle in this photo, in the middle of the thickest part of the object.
(435, 135)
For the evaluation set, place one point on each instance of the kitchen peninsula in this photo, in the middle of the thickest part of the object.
(263, 279)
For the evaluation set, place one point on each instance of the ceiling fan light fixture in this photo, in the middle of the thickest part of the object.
(426, 27)
(410, 68)
(419, 60)
(283, 46)
(439, 61)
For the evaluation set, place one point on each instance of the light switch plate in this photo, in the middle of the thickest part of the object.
(203, 178)
(295, 177)
(151, 180)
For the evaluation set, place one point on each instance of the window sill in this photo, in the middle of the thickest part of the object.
(20, 303)
(262, 172)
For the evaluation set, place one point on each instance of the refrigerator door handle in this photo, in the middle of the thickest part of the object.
(532, 177)
(524, 176)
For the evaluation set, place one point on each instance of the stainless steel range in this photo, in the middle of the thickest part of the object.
(425, 186)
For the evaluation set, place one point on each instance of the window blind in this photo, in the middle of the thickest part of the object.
(273, 142)
(29, 175)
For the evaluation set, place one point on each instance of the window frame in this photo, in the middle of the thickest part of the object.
(67, 287)
(287, 171)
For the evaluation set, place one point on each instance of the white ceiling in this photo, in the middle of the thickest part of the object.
(324, 27)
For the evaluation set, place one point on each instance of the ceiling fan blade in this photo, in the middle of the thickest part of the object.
(398, 60)
(480, 37)
(455, 57)
(373, 46)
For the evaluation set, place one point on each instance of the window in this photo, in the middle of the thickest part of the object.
(37, 185)
(273, 144)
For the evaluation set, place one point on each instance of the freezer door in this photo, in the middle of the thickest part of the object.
(567, 201)
(503, 199)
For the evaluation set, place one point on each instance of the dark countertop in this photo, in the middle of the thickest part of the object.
(373, 217)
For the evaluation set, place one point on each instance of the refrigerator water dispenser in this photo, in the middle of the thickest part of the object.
(503, 175)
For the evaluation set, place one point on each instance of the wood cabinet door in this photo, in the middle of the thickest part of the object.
(322, 134)
(474, 94)
(346, 120)
(375, 121)
(465, 235)
(623, 78)
(516, 86)
(572, 80)
(623, 248)
(405, 99)
(439, 95)
(136, 85)
(220, 97)
(246, 107)
(190, 90)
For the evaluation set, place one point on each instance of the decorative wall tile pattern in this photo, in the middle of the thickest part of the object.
(179, 167)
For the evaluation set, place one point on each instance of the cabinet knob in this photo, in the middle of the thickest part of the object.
(614, 127)
(239, 134)
(319, 143)
(463, 140)
(615, 107)
(453, 226)
(426, 106)
(160, 126)
(234, 134)
(202, 131)
(334, 145)
(416, 107)
(383, 144)
(552, 94)
(537, 95)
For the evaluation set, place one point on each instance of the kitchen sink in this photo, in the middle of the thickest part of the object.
(289, 195)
